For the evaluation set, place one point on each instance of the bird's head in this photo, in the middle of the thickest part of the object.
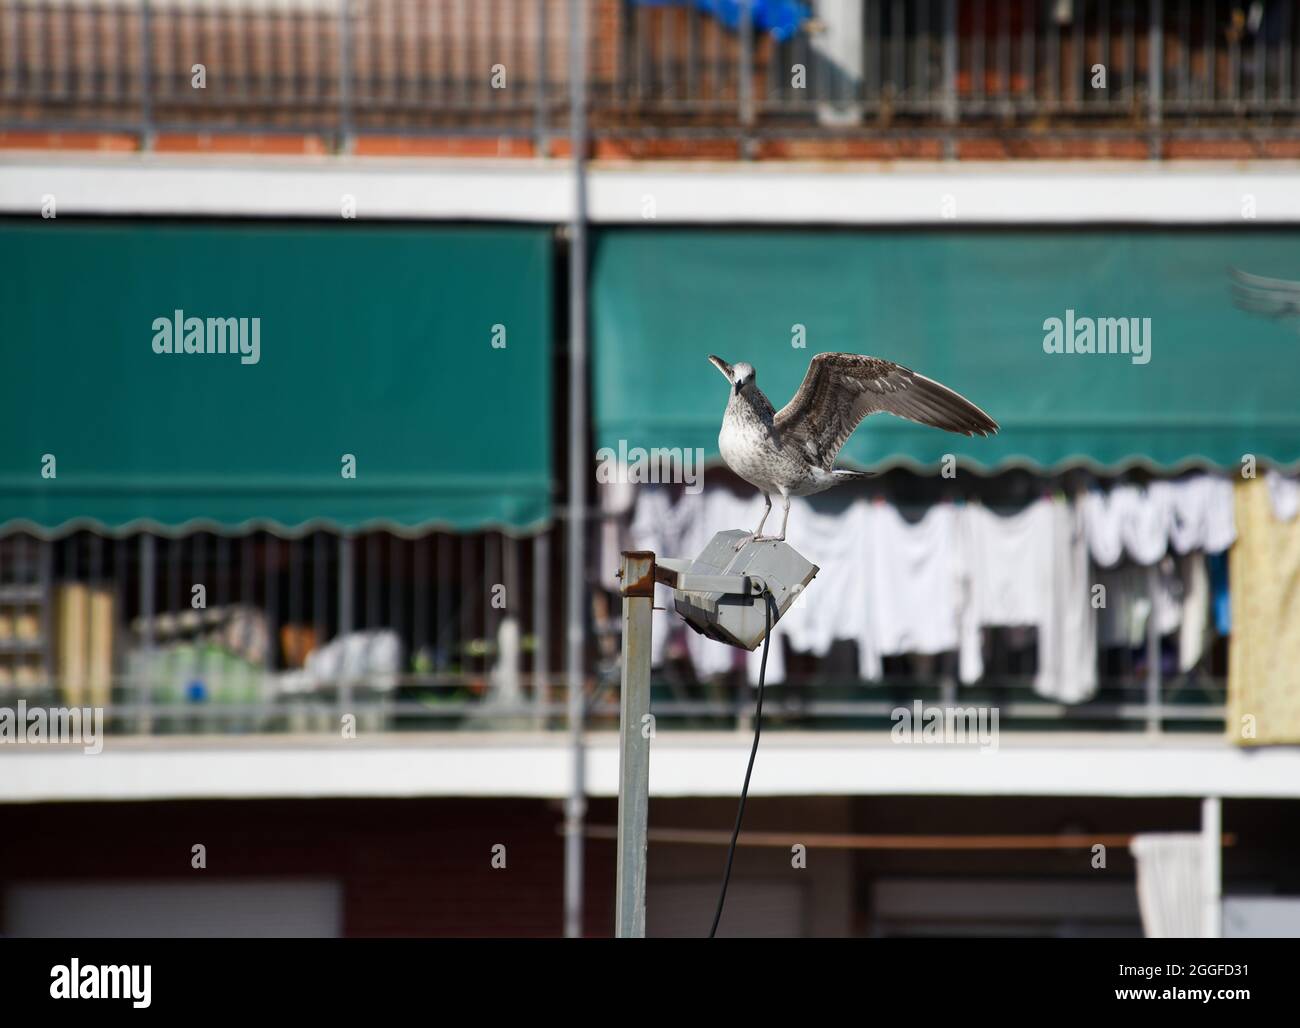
(741, 376)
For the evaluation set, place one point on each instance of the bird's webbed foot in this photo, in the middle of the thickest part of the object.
(746, 540)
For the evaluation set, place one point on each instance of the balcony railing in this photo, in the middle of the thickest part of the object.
(206, 633)
(936, 70)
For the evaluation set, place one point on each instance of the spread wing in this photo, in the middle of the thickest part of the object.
(1276, 297)
(840, 389)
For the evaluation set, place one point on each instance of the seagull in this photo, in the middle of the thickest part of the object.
(792, 451)
(1275, 297)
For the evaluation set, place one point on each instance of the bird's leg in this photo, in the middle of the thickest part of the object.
(758, 537)
(785, 518)
(758, 532)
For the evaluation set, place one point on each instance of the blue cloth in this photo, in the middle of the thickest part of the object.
(780, 18)
(1220, 602)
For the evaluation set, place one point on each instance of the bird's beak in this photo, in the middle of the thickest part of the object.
(735, 388)
(722, 366)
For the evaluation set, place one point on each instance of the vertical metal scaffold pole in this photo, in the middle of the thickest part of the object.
(576, 581)
(638, 577)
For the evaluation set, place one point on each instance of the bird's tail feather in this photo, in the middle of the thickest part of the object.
(845, 475)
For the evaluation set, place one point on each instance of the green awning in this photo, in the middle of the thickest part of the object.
(967, 307)
(374, 341)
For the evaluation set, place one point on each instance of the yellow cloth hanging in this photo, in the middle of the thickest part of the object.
(1264, 652)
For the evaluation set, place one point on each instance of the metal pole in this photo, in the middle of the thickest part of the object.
(745, 86)
(541, 624)
(1153, 654)
(539, 86)
(146, 78)
(345, 76)
(949, 78)
(1211, 867)
(1156, 74)
(347, 585)
(148, 612)
(576, 584)
(638, 577)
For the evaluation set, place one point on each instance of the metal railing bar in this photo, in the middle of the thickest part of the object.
(422, 67)
(1021, 710)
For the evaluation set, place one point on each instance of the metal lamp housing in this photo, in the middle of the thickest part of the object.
(720, 593)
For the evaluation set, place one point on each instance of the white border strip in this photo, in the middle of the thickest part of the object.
(306, 187)
(682, 764)
(541, 191)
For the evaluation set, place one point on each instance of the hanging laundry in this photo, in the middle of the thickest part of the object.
(1103, 514)
(1201, 513)
(893, 587)
(1122, 617)
(887, 585)
(658, 525)
(1264, 659)
(1220, 598)
(1067, 654)
(836, 606)
(914, 580)
(1132, 594)
(1031, 569)
(1285, 494)
(1170, 884)
(1195, 629)
(1194, 513)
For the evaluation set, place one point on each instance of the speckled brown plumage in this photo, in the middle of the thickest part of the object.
(841, 389)
(792, 451)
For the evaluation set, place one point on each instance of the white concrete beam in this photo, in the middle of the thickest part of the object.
(1029, 192)
(681, 764)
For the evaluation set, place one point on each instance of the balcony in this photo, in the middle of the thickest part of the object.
(879, 79)
(331, 634)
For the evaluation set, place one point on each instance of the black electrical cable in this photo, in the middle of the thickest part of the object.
(744, 790)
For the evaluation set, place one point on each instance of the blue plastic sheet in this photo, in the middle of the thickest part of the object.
(778, 18)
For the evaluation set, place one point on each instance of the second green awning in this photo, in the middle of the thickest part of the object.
(973, 309)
